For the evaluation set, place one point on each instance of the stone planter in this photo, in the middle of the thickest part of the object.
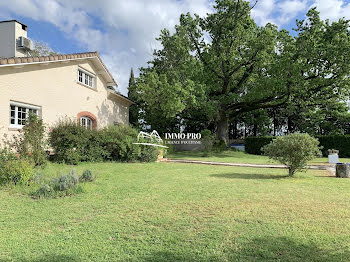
(342, 170)
(333, 158)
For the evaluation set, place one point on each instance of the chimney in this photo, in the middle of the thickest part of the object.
(10, 34)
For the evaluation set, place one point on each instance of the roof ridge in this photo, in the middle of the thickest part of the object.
(12, 61)
(31, 59)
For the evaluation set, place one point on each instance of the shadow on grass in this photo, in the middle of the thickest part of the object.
(259, 249)
(288, 250)
(249, 176)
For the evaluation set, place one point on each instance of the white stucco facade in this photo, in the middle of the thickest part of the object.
(53, 88)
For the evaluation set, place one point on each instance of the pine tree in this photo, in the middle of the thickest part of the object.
(132, 94)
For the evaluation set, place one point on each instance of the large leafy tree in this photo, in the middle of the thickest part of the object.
(225, 65)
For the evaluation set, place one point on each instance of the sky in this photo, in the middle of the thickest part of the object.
(124, 31)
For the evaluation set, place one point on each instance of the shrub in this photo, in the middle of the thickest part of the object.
(207, 141)
(149, 153)
(87, 176)
(253, 145)
(16, 172)
(73, 143)
(118, 143)
(294, 150)
(5, 156)
(64, 185)
(30, 143)
(219, 146)
(65, 182)
(45, 190)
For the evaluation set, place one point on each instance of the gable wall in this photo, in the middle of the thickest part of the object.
(55, 89)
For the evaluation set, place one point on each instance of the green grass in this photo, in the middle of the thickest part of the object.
(180, 212)
(238, 157)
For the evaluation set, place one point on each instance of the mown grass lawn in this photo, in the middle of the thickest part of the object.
(238, 157)
(181, 212)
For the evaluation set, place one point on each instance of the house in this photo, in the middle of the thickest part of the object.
(77, 86)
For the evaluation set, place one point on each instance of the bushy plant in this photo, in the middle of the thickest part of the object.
(30, 143)
(61, 186)
(118, 142)
(73, 143)
(207, 141)
(294, 151)
(149, 153)
(219, 146)
(45, 190)
(65, 182)
(5, 156)
(87, 176)
(17, 171)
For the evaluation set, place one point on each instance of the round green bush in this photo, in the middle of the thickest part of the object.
(16, 172)
(294, 150)
(87, 176)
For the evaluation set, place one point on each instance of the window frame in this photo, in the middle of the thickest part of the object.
(86, 78)
(86, 119)
(18, 105)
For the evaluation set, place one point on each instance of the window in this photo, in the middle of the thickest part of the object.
(86, 122)
(85, 78)
(19, 113)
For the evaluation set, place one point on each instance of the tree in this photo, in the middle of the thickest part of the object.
(132, 94)
(294, 151)
(42, 49)
(236, 67)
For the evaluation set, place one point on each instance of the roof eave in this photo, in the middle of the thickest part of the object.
(122, 97)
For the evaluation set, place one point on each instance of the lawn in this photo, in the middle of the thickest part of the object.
(239, 157)
(180, 212)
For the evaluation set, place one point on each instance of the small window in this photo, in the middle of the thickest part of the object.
(86, 122)
(19, 114)
(85, 78)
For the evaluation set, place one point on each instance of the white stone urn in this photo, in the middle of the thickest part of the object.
(333, 157)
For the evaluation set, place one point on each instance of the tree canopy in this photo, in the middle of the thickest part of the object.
(214, 69)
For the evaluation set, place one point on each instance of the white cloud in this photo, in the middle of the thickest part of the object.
(278, 12)
(290, 9)
(130, 27)
(333, 9)
(263, 10)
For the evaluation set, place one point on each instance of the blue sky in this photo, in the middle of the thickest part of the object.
(124, 32)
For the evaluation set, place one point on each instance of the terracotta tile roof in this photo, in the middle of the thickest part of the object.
(52, 58)
(42, 59)
(33, 59)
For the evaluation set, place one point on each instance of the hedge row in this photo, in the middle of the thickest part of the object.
(339, 142)
(73, 143)
(253, 145)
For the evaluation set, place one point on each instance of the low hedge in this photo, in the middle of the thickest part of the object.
(339, 142)
(73, 143)
(253, 145)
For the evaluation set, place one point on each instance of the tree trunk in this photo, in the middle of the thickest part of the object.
(274, 123)
(222, 127)
(291, 172)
